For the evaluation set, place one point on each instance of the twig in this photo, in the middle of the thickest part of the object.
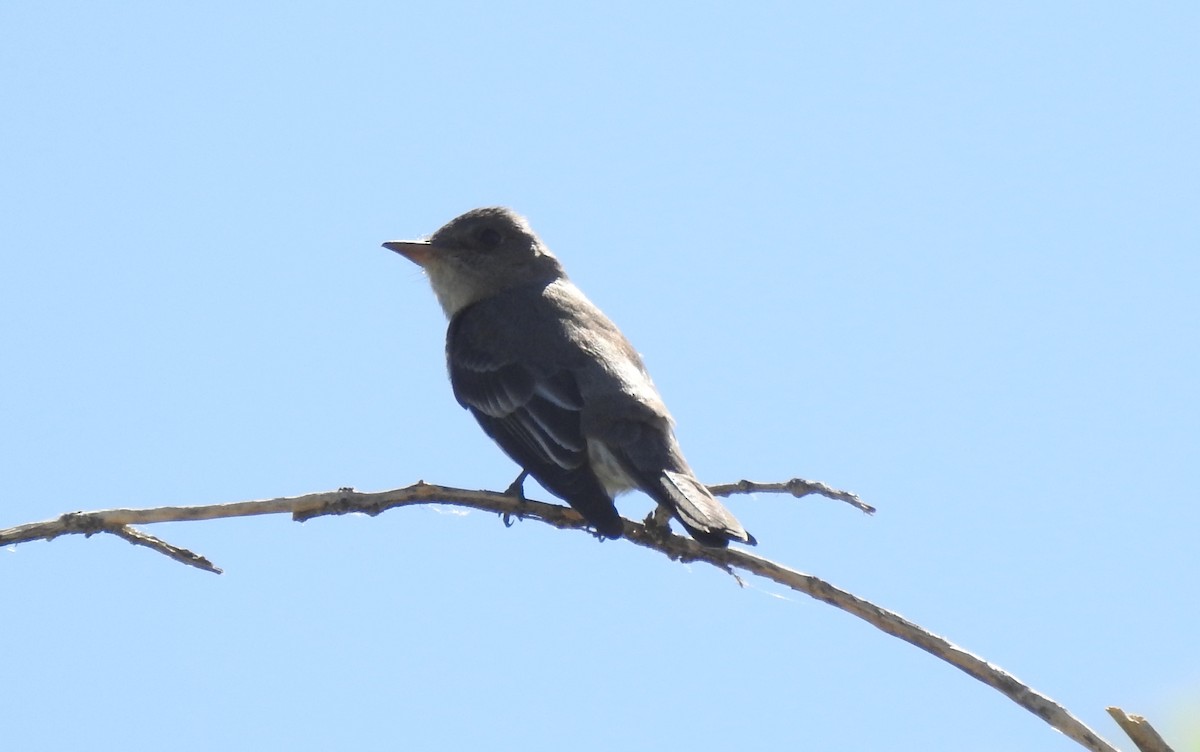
(797, 487)
(1139, 730)
(181, 555)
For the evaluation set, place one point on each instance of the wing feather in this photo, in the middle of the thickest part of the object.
(533, 416)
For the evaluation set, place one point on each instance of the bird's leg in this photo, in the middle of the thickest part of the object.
(658, 523)
(516, 488)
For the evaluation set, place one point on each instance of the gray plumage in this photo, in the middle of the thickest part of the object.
(553, 381)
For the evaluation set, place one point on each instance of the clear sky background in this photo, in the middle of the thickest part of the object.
(946, 256)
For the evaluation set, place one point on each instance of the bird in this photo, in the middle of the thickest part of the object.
(553, 381)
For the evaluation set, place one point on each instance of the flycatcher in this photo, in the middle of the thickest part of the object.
(553, 381)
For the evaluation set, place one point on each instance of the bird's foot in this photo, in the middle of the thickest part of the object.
(516, 488)
(658, 523)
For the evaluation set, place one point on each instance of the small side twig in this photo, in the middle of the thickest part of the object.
(182, 555)
(1139, 730)
(797, 487)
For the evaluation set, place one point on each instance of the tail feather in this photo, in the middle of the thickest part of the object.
(706, 519)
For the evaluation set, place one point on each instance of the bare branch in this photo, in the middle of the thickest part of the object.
(348, 500)
(1139, 730)
(653, 536)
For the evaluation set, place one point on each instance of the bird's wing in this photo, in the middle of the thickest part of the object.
(532, 413)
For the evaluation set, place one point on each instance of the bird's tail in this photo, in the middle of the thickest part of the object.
(708, 521)
(648, 457)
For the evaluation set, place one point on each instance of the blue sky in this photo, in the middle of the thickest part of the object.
(945, 256)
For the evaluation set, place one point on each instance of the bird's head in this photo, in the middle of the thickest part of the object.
(479, 254)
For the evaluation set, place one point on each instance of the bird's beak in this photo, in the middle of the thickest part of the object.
(417, 251)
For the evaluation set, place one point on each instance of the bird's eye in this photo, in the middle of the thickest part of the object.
(490, 237)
